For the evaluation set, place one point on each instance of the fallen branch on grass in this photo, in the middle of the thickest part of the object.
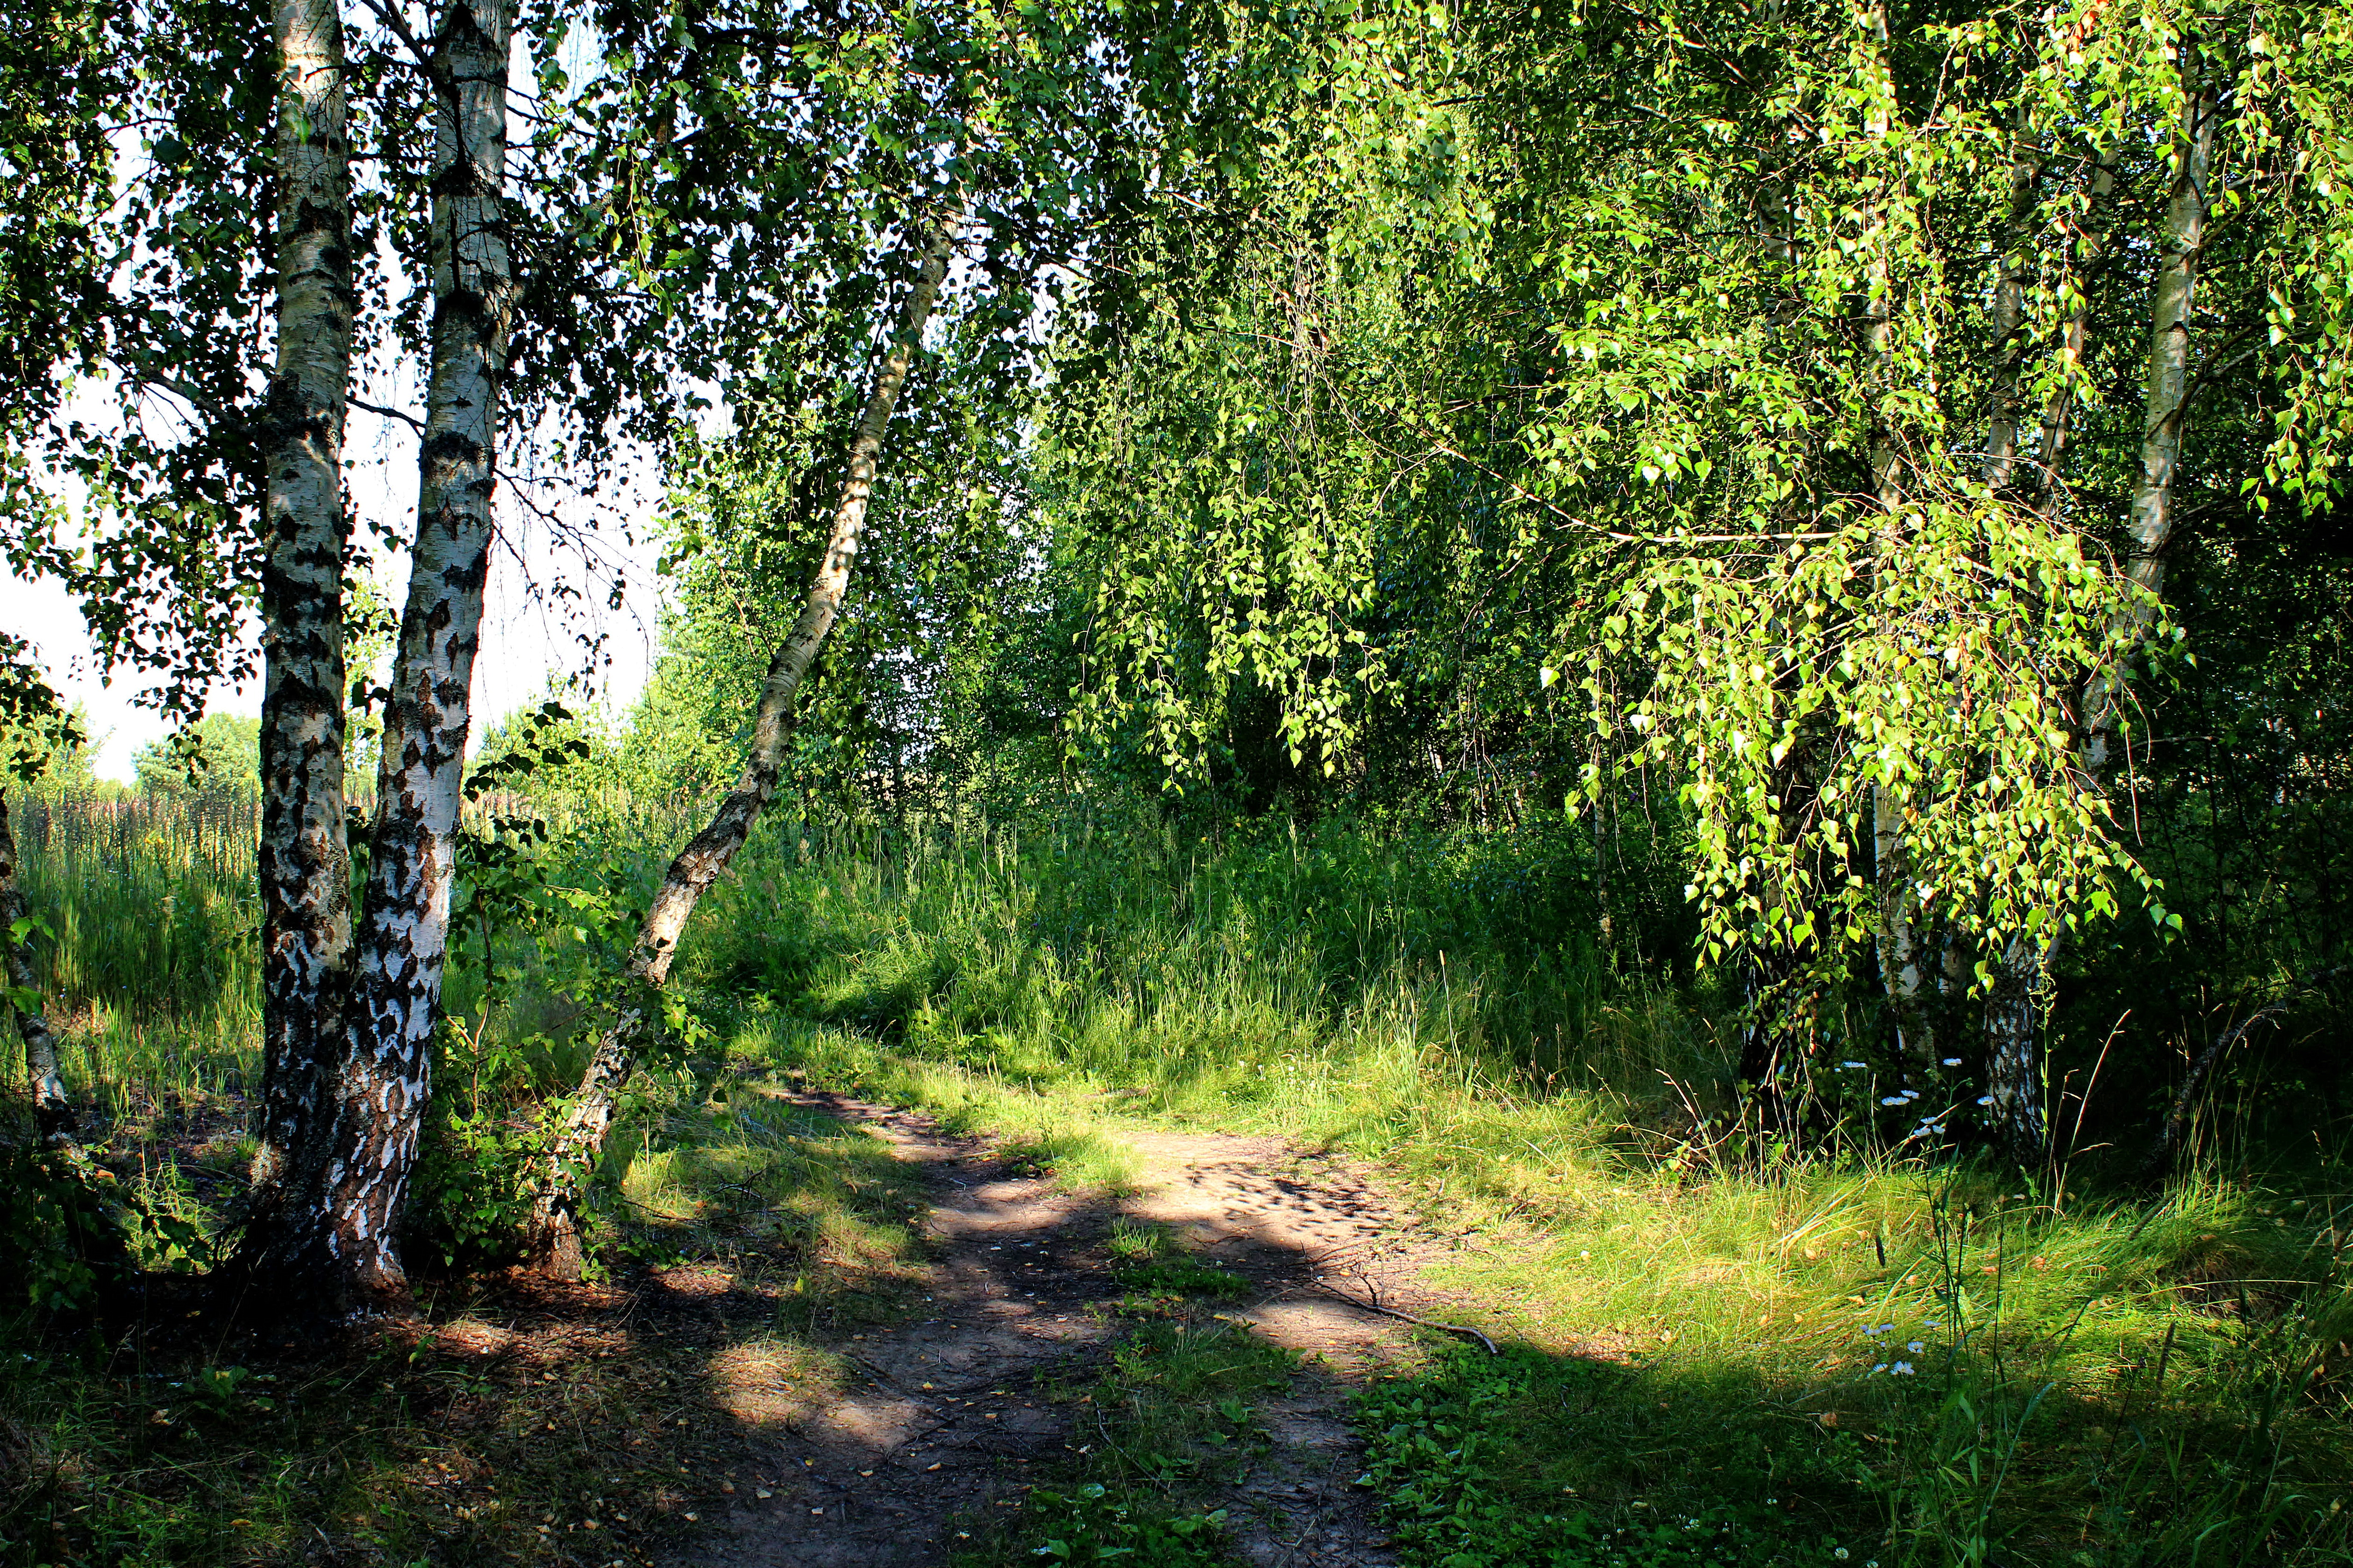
(887, 1381)
(1409, 1318)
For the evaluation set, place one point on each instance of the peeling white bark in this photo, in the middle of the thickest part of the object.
(384, 1073)
(555, 1224)
(304, 863)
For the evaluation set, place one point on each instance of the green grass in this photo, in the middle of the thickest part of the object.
(2108, 1377)
(2104, 1378)
(1167, 1429)
(150, 970)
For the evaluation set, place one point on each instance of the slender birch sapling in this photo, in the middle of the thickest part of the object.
(554, 1227)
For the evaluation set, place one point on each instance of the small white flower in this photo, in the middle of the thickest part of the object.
(1931, 1323)
(1984, 1099)
(1952, 1061)
(1902, 1369)
(1840, 1554)
(1880, 1368)
(1890, 1099)
(1849, 1064)
(1911, 1094)
(1915, 1347)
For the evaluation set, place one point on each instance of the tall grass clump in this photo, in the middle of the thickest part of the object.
(151, 960)
(1308, 981)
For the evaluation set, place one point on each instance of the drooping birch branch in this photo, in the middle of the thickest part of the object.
(1900, 944)
(554, 1221)
(2013, 1072)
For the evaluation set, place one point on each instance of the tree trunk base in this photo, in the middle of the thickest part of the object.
(557, 1252)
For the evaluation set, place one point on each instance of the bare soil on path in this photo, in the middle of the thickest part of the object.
(975, 1395)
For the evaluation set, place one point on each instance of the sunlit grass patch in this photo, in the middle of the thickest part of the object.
(765, 1380)
(750, 1169)
(2127, 1375)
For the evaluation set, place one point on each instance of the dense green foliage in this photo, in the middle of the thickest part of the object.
(216, 754)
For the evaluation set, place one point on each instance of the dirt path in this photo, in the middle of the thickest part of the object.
(956, 1409)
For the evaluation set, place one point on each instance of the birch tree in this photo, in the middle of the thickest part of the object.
(304, 864)
(1025, 137)
(556, 1207)
(354, 1012)
(1878, 624)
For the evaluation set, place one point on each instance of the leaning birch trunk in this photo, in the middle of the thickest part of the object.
(54, 1117)
(383, 1076)
(555, 1225)
(2014, 1060)
(305, 861)
(2075, 342)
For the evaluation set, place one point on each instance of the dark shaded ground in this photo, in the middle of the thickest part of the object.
(689, 1413)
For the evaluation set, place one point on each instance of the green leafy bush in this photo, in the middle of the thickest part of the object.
(61, 1232)
(472, 1191)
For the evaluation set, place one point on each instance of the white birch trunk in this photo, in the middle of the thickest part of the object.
(384, 1076)
(555, 1224)
(2149, 524)
(2009, 310)
(304, 861)
(54, 1117)
(2014, 1067)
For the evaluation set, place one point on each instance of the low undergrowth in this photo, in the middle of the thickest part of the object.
(512, 1422)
